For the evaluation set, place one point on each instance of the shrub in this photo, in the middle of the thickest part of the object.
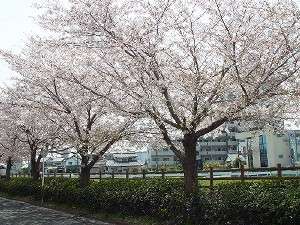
(256, 203)
(268, 202)
(213, 164)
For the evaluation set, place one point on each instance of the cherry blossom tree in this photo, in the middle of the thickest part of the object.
(12, 150)
(27, 130)
(87, 122)
(190, 66)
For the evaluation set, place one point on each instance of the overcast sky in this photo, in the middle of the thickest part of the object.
(16, 25)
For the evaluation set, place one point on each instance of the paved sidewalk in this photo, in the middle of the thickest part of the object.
(19, 213)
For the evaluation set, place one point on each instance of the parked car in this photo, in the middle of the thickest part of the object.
(60, 169)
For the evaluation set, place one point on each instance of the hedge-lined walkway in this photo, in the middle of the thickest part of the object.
(242, 203)
(19, 213)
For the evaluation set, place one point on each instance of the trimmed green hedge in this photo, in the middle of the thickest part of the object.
(257, 203)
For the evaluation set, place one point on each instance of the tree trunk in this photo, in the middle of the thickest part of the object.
(85, 171)
(35, 170)
(35, 167)
(189, 164)
(85, 174)
(8, 168)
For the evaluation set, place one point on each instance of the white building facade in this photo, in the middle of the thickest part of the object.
(161, 157)
(123, 162)
(264, 148)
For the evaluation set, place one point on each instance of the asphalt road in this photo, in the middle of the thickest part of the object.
(19, 213)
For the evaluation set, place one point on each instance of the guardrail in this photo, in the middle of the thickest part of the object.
(210, 175)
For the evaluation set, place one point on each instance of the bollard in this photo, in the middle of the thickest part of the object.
(242, 173)
(127, 174)
(162, 173)
(211, 178)
(279, 170)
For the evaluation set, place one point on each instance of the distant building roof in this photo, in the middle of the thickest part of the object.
(54, 159)
(112, 163)
(124, 155)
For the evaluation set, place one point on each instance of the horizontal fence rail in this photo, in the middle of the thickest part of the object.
(211, 175)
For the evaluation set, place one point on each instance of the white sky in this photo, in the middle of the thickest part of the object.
(16, 25)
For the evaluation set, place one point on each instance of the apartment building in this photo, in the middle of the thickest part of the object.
(264, 148)
(216, 149)
(161, 157)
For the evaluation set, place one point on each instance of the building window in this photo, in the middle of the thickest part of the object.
(263, 151)
(280, 156)
(219, 158)
(166, 159)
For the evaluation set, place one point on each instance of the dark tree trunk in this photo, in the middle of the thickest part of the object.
(35, 170)
(8, 167)
(85, 174)
(85, 171)
(189, 163)
(34, 165)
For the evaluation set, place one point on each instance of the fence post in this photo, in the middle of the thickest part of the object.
(113, 174)
(100, 174)
(70, 175)
(242, 173)
(54, 173)
(144, 174)
(211, 178)
(127, 173)
(279, 170)
(163, 173)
